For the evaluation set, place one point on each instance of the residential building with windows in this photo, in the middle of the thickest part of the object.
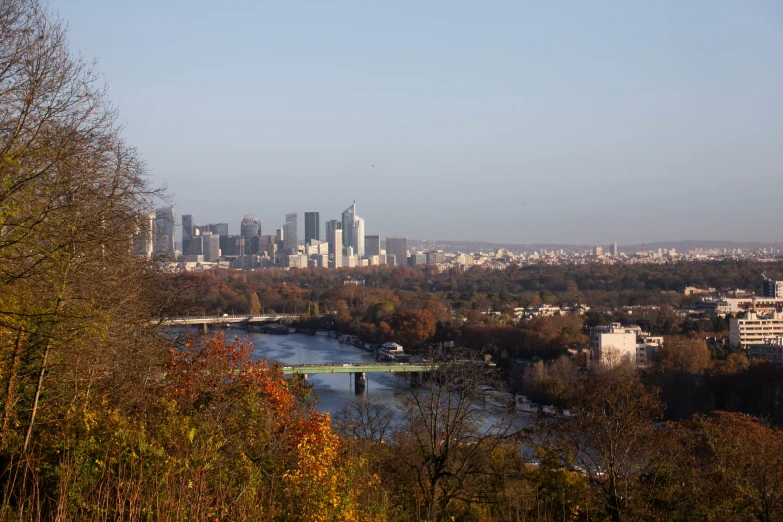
(770, 350)
(752, 327)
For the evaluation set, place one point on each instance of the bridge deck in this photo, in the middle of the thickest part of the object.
(313, 369)
(219, 319)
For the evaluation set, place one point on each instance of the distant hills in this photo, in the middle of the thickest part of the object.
(679, 246)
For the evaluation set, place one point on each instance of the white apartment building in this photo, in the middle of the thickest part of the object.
(614, 343)
(733, 305)
(752, 328)
(770, 350)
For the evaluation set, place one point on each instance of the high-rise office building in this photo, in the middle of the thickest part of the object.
(188, 230)
(143, 240)
(217, 229)
(210, 247)
(331, 226)
(164, 233)
(353, 230)
(233, 245)
(357, 237)
(336, 252)
(372, 246)
(614, 249)
(398, 247)
(348, 217)
(249, 228)
(312, 227)
(291, 238)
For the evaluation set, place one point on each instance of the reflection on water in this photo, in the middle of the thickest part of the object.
(332, 390)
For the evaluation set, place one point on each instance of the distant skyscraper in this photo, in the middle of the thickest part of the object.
(164, 233)
(211, 247)
(331, 226)
(348, 218)
(312, 227)
(291, 238)
(357, 236)
(614, 248)
(188, 230)
(143, 241)
(353, 231)
(217, 229)
(398, 247)
(372, 246)
(336, 252)
(233, 245)
(250, 228)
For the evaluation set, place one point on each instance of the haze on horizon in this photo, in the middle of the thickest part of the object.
(610, 121)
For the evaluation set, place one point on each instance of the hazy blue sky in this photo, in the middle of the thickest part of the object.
(611, 121)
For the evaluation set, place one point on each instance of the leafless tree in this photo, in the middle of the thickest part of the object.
(448, 436)
(365, 417)
(610, 438)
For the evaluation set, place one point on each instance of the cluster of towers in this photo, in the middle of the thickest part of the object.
(154, 236)
(344, 245)
(344, 242)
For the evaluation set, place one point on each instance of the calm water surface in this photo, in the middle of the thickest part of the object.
(332, 390)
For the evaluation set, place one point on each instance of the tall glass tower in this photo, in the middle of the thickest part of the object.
(353, 230)
(164, 233)
(290, 237)
(312, 227)
(188, 231)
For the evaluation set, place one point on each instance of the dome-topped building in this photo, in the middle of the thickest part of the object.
(251, 227)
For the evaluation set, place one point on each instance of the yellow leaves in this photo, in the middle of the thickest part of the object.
(89, 419)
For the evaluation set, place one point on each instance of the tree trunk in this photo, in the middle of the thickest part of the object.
(38, 388)
(39, 385)
(11, 389)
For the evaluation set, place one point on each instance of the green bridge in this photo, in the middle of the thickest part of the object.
(360, 371)
(313, 369)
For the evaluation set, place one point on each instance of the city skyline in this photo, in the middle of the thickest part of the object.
(269, 226)
(521, 123)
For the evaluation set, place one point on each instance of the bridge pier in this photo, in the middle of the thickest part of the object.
(203, 328)
(359, 383)
(416, 379)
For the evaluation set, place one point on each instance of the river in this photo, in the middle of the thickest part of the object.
(332, 390)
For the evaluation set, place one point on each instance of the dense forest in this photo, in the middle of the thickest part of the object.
(599, 286)
(106, 417)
